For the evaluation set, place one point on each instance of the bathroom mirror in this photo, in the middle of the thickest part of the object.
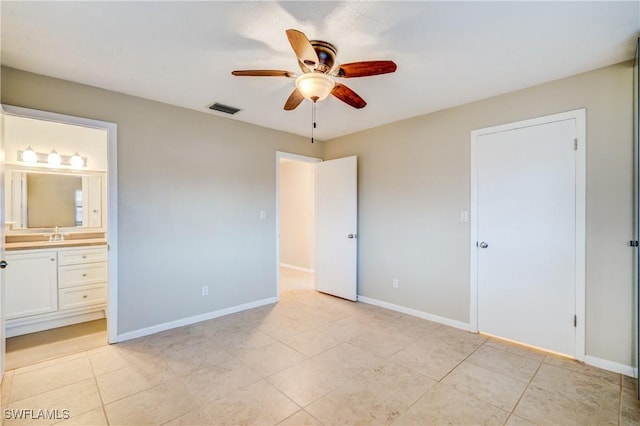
(45, 200)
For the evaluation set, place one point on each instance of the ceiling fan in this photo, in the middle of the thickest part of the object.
(316, 59)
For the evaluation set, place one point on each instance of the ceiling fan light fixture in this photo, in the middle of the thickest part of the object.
(315, 86)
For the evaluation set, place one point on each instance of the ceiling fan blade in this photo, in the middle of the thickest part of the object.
(365, 69)
(264, 73)
(294, 100)
(303, 48)
(348, 96)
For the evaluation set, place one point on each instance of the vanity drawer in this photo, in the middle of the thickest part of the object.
(75, 275)
(74, 257)
(78, 297)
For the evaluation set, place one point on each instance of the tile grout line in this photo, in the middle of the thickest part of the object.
(10, 388)
(77, 357)
(526, 388)
(463, 360)
(130, 395)
(437, 382)
(179, 379)
(620, 400)
(95, 380)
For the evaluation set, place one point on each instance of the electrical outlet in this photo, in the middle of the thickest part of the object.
(395, 283)
(205, 290)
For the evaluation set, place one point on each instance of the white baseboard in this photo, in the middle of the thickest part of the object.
(297, 268)
(415, 313)
(605, 364)
(192, 320)
(615, 367)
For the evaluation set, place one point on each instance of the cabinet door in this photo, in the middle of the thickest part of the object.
(92, 201)
(31, 284)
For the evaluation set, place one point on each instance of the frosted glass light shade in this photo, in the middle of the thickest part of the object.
(315, 86)
(54, 158)
(29, 155)
(76, 161)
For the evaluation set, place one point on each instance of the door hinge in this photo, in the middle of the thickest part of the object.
(575, 144)
(575, 320)
(633, 243)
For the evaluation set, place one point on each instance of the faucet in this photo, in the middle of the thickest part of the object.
(56, 236)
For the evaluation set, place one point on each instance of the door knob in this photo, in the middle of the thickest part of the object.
(484, 245)
(3, 264)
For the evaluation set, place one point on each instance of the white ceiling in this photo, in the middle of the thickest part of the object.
(448, 53)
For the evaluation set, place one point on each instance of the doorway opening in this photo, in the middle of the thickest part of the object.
(296, 208)
(332, 246)
(66, 266)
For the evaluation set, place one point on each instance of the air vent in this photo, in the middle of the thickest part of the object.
(224, 108)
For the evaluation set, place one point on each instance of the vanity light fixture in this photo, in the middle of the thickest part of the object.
(29, 155)
(53, 159)
(76, 161)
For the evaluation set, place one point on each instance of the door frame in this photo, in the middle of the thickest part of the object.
(281, 155)
(2, 248)
(579, 115)
(112, 199)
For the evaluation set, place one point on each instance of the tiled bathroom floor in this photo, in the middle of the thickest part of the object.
(314, 359)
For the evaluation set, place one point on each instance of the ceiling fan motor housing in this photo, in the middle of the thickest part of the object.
(326, 55)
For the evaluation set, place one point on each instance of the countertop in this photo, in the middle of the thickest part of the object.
(45, 244)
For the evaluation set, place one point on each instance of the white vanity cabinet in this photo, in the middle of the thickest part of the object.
(32, 284)
(82, 278)
(51, 288)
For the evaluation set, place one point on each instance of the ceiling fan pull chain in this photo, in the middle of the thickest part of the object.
(313, 118)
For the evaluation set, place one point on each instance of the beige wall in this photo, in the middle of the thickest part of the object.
(191, 187)
(297, 186)
(186, 221)
(414, 180)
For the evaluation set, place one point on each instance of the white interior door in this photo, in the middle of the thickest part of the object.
(336, 227)
(526, 233)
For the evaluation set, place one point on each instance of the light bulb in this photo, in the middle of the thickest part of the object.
(76, 161)
(29, 155)
(54, 158)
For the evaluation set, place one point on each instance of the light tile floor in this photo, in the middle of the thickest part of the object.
(49, 344)
(314, 359)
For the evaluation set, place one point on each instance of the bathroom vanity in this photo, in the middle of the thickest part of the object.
(55, 286)
(56, 248)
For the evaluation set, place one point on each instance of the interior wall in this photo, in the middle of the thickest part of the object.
(413, 181)
(297, 183)
(191, 186)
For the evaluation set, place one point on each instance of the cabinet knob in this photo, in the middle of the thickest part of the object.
(53, 259)
(84, 256)
(3, 264)
(84, 275)
(84, 296)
